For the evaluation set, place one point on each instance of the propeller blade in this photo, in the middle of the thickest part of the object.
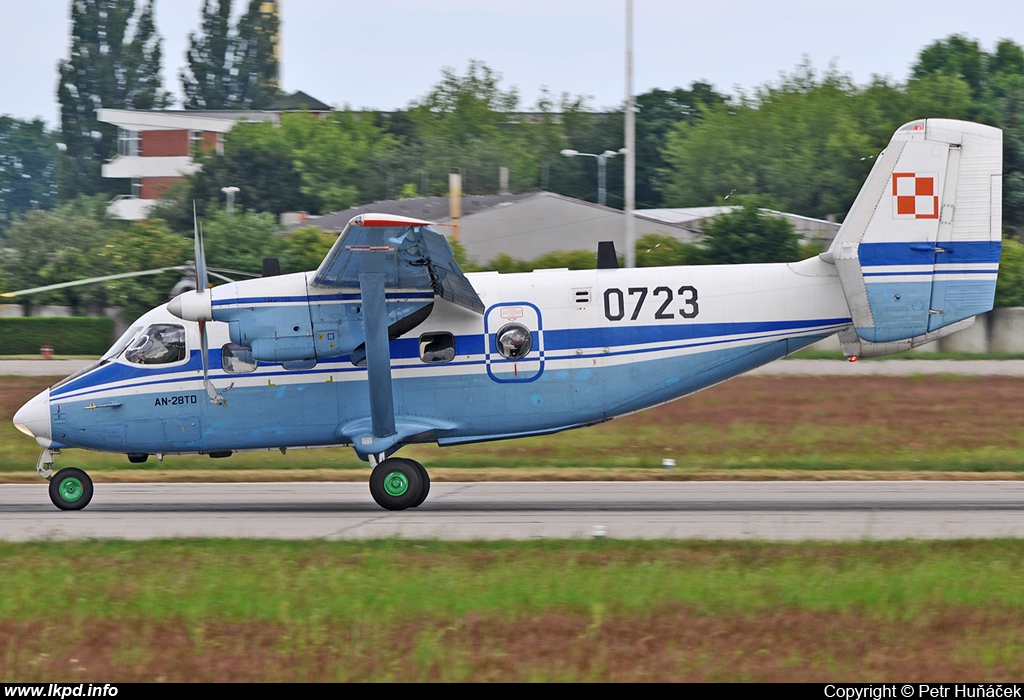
(202, 279)
(216, 397)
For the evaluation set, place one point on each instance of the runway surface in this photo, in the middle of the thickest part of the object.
(707, 510)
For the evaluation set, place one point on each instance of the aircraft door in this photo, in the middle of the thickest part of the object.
(513, 342)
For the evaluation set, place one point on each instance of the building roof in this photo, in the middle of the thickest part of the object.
(297, 102)
(434, 209)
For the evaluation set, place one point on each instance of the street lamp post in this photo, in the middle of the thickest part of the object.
(601, 159)
(230, 192)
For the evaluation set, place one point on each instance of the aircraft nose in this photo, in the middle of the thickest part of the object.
(34, 418)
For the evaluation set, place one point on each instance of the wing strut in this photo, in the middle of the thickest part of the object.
(378, 362)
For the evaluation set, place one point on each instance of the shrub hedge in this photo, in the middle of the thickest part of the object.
(67, 336)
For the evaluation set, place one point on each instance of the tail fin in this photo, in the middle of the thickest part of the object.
(919, 251)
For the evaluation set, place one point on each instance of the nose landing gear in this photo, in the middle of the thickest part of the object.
(70, 488)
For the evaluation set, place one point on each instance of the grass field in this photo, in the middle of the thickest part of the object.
(215, 610)
(750, 427)
(598, 610)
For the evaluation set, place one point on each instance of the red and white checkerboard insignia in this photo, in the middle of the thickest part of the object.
(915, 195)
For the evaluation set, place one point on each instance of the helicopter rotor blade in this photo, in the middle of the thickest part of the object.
(90, 280)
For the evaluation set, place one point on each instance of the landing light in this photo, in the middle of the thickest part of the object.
(25, 430)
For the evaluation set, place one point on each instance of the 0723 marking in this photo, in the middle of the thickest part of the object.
(615, 302)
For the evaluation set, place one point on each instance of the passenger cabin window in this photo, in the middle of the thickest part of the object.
(160, 344)
(237, 359)
(437, 347)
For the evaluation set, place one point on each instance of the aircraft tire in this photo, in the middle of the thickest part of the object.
(71, 489)
(426, 484)
(397, 484)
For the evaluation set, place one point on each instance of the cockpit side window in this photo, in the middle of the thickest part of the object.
(160, 344)
(237, 358)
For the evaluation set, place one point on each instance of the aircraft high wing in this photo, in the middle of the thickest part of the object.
(389, 343)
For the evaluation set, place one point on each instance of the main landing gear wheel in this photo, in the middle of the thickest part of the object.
(71, 489)
(397, 484)
(426, 484)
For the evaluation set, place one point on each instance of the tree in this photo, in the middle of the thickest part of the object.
(306, 163)
(469, 124)
(207, 81)
(958, 57)
(106, 68)
(142, 245)
(749, 234)
(260, 162)
(256, 56)
(46, 247)
(28, 163)
(239, 241)
(994, 87)
(233, 69)
(660, 250)
(658, 111)
(804, 143)
(304, 249)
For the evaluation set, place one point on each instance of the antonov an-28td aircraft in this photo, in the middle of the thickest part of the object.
(388, 343)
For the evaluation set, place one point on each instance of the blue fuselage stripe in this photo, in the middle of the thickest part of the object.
(632, 340)
(960, 252)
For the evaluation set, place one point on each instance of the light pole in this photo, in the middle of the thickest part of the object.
(601, 179)
(230, 192)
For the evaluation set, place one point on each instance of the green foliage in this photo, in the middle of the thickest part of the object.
(108, 69)
(657, 112)
(659, 250)
(571, 259)
(232, 70)
(207, 79)
(468, 124)
(749, 234)
(144, 245)
(304, 249)
(332, 154)
(1010, 283)
(67, 336)
(800, 143)
(46, 247)
(255, 62)
(305, 164)
(992, 91)
(238, 242)
(28, 163)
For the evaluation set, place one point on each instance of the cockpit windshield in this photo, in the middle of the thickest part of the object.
(116, 349)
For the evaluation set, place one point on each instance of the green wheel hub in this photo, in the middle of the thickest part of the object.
(396, 483)
(70, 489)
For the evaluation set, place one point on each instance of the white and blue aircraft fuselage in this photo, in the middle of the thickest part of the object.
(389, 344)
